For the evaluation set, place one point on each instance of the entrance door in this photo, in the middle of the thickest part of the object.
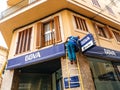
(32, 81)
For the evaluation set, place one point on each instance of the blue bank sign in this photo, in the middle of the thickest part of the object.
(102, 52)
(53, 52)
(89, 48)
(87, 42)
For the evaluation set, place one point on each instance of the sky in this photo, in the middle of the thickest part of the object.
(3, 6)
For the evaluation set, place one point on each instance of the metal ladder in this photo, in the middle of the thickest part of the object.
(77, 67)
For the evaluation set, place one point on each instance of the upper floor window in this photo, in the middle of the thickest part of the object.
(24, 40)
(113, 2)
(48, 32)
(103, 31)
(80, 23)
(117, 35)
(95, 2)
(109, 10)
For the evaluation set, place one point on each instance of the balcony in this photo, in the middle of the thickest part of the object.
(15, 6)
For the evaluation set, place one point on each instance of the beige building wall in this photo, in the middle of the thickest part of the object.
(68, 28)
(3, 61)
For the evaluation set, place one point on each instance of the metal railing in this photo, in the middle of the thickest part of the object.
(49, 38)
(15, 8)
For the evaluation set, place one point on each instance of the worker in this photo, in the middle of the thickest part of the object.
(72, 47)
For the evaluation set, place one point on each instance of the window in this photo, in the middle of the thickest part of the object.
(80, 23)
(34, 81)
(95, 2)
(110, 10)
(103, 31)
(113, 2)
(117, 35)
(48, 32)
(104, 74)
(24, 40)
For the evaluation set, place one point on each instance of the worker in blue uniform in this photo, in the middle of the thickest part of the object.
(72, 47)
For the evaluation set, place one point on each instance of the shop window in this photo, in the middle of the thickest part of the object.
(117, 35)
(32, 81)
(48, 32)
(95, 2)
(110, 10)
(104, 74)
(24, 40)
(80, 23)
(103, 31)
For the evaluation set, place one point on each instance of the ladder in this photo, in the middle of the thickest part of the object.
(77, 67)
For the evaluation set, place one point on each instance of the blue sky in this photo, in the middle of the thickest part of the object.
(2, 7)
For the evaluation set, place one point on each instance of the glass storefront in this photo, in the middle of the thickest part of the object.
(35, 82)
(59, 83)
(41, 76)
(106, 74)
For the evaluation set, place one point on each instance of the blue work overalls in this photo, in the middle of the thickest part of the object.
(71, 45)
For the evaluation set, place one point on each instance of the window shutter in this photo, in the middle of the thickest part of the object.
(96, 28)
(40, 35)
(57, 29)
(109, 31)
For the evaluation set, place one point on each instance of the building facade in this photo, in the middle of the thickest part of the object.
(35, 32)
(3, 61)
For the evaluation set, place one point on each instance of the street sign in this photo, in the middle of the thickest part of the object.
(73, 81)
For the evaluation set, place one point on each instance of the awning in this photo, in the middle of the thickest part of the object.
(53, 52)
(101, 52)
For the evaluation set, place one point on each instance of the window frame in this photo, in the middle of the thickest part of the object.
(22, 45)
(50, 32)
(117, 40)
(57, 33)
(79, 27)
(107, 31)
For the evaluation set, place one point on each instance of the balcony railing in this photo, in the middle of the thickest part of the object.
(15, 8)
